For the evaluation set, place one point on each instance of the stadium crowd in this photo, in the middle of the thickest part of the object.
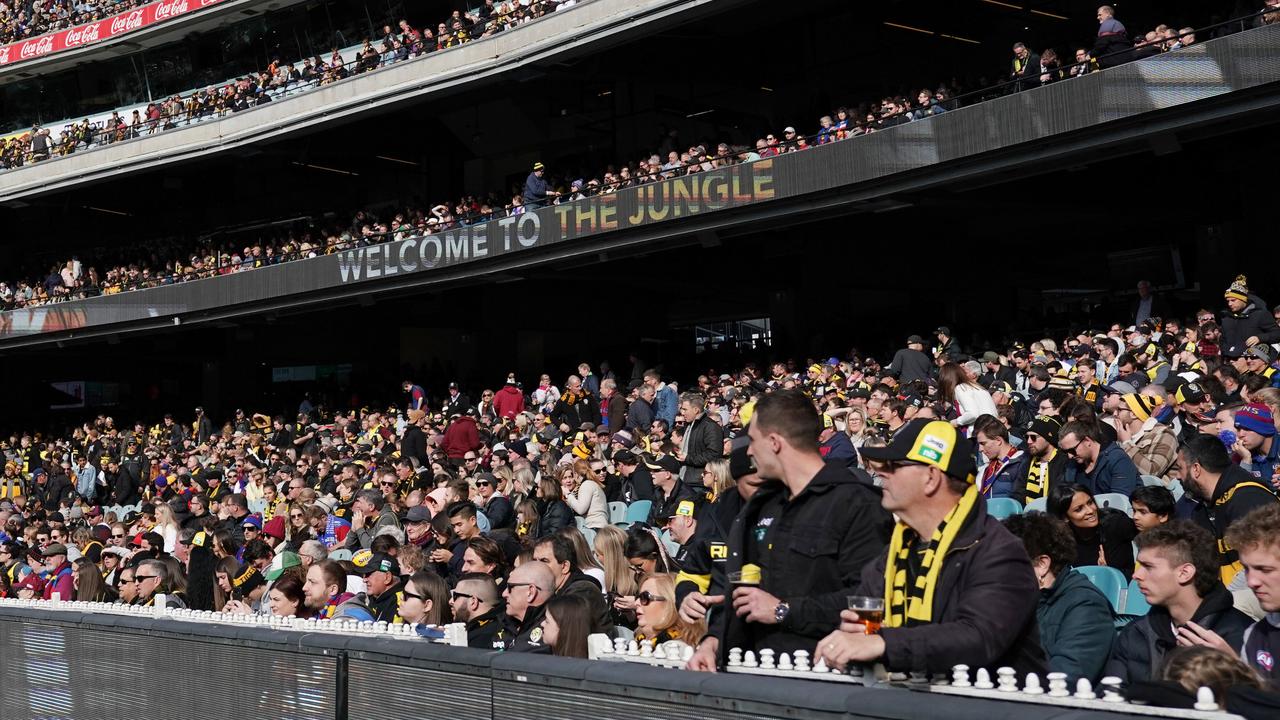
(110, 271)
(21, 19)
(278, 79)
(989, 503)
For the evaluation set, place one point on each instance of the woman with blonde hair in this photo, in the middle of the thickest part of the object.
(716, 477)
(619, 578)
(857, 426)
(657, 615)
(584, 493)
(167, 526)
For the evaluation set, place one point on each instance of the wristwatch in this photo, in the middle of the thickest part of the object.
(780, 612)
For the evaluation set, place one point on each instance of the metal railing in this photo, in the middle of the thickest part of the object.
(225, 262)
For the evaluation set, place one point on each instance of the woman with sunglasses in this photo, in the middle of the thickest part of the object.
(584, 493)
(657, 617)
(426, 599)
(1104, 536)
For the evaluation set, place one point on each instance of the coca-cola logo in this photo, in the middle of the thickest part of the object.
(207, 3)
(37, 47)
(82, 35)
(125, 23)
(169, 9)
(4, 55)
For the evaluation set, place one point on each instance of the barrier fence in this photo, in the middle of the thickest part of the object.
(68, 664)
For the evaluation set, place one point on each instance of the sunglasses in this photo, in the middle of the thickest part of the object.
(482, 483)
(647, 597)
(140, 578)
(295, 516)
(455, 595)
(1070, 451)
(415, 596)
(117, 537)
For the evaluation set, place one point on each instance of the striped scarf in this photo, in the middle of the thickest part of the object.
(908, 606)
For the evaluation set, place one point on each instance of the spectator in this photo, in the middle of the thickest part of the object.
(800, 594)
(703, 438)
(1152, 505)
(1177, 573)
(1256, 537)
(1256, 443)
(583, 491)
(1101, 465)
(656, 613)
(552, 512)
(1144, 435)
(566, 625)
(327, 595)
(1074, 617)
(1104, 536)
(910, 364)
(1112, 39)
(969, 400)
(527, 591)
(475, 602)
(1247, 321)
(986, 617)
(1006, 465)
(536, 189)
(558, 554)
(1226, 494)
(59, 573)
(426, 600)
(387, 592)
(286, 598)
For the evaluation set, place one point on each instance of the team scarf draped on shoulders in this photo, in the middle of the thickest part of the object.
(908, 606)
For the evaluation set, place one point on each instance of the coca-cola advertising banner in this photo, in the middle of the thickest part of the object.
(104, 29)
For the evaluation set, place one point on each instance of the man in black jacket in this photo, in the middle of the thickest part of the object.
(1248, 322)
(910, 363)
(1178, 574)
(803, 537)
(1224, 493)
(495, 507)
(556, 552)
(1025, 68)
(703, 437)
(413, 444)
(527, 591)
(957, 586)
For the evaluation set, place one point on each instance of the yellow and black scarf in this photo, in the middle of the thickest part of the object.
(908, 606)
(1038, 477)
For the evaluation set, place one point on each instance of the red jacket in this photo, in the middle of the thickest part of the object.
(508, 402)
(461, 437)
(61, 582)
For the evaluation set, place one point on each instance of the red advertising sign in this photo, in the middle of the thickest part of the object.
(104, 29)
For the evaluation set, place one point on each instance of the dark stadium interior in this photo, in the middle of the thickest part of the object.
(1173, 214)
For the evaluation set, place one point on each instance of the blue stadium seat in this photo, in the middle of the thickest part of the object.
(1107, 579)
(1038, 505)
(589, 534)
(257, 506)
(1119, 501)
(638, 511)
(1001, 508)
(1173, 487)
(340, 554)
(580, 521)
(1135, 604)
(673, 547)
(617, 513)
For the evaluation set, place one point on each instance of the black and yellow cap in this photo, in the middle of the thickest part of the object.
(929, 442)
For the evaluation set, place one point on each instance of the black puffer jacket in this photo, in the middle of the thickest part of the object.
(1139, 652)
(553, 516)
(1253, 321)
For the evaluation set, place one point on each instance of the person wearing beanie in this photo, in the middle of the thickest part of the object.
(1144, 433)
(1247, 321)
(1256, 442)
(508, 402)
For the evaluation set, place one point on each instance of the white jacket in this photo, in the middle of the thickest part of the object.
(973, 402)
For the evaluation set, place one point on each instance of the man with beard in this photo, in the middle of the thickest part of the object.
(1046, 467)
(1224, 493)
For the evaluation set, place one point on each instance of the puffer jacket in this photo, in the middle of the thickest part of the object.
(1140, 650)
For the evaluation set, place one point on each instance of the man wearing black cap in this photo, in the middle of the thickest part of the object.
(800, 542)
(1046, 467)
(996, 372)
(910, 363)
(456, 403)
(947, 350)
(383, 583)
(669, 488)
(958, 588)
